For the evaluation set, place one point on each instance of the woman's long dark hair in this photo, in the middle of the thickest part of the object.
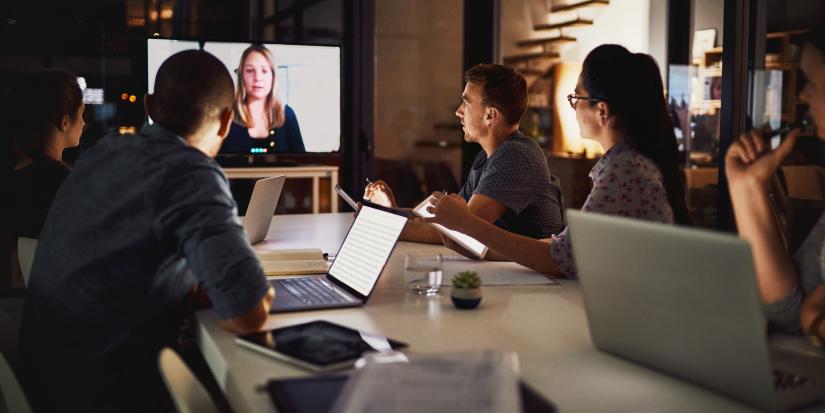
(631, 85)
(37, 104)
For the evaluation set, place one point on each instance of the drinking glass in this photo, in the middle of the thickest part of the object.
(423, 272)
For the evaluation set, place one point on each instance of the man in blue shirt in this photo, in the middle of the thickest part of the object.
(140, 224)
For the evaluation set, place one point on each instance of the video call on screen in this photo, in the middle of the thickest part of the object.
(307, 80)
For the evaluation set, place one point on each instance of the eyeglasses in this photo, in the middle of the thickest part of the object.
(574, 100)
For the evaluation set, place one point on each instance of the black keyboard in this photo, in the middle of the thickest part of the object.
(783, 380)
(313, 290)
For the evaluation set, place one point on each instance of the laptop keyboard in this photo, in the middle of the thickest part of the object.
(313, 290)
(783, 380)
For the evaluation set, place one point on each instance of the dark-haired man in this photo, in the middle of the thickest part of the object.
(138, 224)
(510, 182)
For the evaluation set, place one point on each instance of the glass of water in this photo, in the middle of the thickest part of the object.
(422, 272)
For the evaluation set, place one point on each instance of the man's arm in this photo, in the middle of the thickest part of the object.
(196, 214)
(251, 320)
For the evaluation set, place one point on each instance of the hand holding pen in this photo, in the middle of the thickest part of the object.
(380, 193)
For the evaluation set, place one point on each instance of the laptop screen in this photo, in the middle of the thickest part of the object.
(366, 248)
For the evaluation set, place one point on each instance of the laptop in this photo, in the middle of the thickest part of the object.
(685, 301)
(261, 208)
(354, 274)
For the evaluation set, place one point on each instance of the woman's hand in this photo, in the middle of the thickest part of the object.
(751, 160)
(380, 193)
(450, 211)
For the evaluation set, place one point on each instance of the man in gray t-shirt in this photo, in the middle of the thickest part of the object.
(517, 176)
(510, 182)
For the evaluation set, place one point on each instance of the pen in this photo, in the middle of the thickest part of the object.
(802, 124)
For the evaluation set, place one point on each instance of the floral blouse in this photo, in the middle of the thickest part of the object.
(625, 183)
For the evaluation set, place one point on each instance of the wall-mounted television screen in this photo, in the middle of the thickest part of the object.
(287, 97)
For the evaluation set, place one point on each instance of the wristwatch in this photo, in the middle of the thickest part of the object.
(813, 329)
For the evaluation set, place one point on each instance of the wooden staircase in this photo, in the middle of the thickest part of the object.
(542, 53)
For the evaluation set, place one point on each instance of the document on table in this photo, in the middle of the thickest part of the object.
(292, 262)
(494, 272)
(484, 381)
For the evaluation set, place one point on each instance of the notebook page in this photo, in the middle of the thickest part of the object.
(366, 249)
(466, 241)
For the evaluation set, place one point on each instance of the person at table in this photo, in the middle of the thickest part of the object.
(619, 103)
(262, 122)
(792, 288)
(510, 182)
(141, 225)
(45, 116)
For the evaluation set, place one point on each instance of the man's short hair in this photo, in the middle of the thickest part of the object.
(502, 88)
(191, 87)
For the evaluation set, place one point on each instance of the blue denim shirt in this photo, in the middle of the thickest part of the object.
(137, 223)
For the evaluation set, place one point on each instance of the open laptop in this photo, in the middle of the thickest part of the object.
(262, 206)
(685, 301)
(354, 274)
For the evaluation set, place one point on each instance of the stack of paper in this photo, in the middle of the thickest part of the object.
(494, 272)
(462, 382)
(292, 262)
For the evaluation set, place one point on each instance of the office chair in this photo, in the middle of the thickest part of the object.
(10, 391)
(25, 255)
(187, 392)
(805, 181)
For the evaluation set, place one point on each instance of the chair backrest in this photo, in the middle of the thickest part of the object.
(803, 215)
(805, 181)
(439, 177)
(701, 177)
(10, 391)
(9, 336)
(402, 178)
(187, 392)
(25, 255)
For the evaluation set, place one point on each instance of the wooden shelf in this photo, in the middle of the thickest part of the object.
(580, 5)
(513, 59)
(545, 41)
(781, 66)
(578, 22)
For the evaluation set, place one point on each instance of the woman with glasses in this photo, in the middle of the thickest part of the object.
(45, 112)
(619, 103)
(263, 123)
(792, 288)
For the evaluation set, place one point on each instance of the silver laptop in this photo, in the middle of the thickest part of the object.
(685, 301)
(354, 274)
(262, 206)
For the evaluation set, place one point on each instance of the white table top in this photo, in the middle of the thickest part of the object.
(545, 324)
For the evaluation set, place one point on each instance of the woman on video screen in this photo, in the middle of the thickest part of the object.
(262, 123)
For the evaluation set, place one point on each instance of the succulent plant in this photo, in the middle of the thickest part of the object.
(466, 279)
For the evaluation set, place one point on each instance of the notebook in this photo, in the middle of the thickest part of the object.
(469, 243)
(354, 274)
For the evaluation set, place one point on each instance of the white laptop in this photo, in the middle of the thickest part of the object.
(262, 206)
(685, 301)
(354, 274)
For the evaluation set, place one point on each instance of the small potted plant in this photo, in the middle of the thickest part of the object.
(466, 293)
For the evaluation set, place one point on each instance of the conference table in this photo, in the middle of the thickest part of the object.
(545, 325)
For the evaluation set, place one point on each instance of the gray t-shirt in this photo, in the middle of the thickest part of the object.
(517, 176)
(810, 264)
